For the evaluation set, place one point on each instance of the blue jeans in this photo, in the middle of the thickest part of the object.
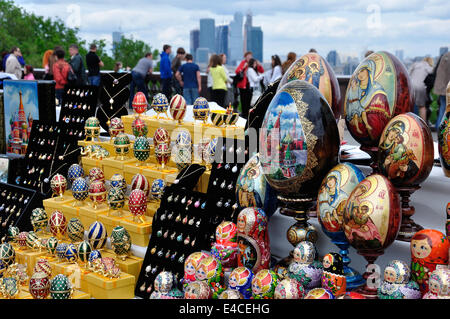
(190, 95)
(441, 111)
(137, 81)
(94, 80)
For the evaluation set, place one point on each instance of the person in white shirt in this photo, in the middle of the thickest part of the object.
(276, 72)
(229, 96)
(254, 78)
(12, 63)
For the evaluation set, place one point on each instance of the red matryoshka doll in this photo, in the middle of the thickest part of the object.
(210, 270)
(264, 284)
(439, 284)
(191, 265)
(241, 279)
(225, 247)
(198, 290)
(289, 289)
(333, 277)
(429, 248)
(253, 239)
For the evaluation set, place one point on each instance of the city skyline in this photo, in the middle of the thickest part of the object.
(418, 28)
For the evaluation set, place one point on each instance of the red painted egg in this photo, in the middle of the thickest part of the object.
(161, 136)
(97, 192)
(96, 174)
(58, 224)
(39, 286)
(58, 184)
(139, 103)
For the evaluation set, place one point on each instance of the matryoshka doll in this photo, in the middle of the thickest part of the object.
(333, 277)
(210, 269)
(264, 284)
(164, 287)
(190, 266)
(319, 293)
(231, 294)
(253, 239)
(438, 284)
(304, 268)
(289, 288)
(241, 279)
(397, 284)
(225, 247)
(429, 248)
(198, 290)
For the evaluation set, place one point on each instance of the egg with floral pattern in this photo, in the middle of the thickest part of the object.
(139, 128)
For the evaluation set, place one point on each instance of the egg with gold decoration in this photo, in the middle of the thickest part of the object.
(139, 181)
(161, 136)
(115, 127)
(178, 107)
(137, 202)
(96, 174)
(60, 287)
(61, 251)
(39, 219)
(162, 153)
(139, 103)
(115, 198)
(182, 156)
(74, 172)
(22, 239)
(139, 127)
(183, 138)
(118, 181)
(201, 109)
(120, 242)
(80, 189)
(13, 231)
(141, 149)
(95, 254)
(58, 184)
(97, 235)
(84, 250)
(42, 265)
(75, 230)
(39, 285)
(32, 240)
(122, 144)
(58, 224)
(97, 192)
(71, 253)
(7, 254)
(160, 104)
(157, 188)
(92, 127)
(51, 245)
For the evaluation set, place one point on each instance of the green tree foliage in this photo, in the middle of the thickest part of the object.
(129, 51)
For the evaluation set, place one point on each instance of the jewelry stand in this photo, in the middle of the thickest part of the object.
(408, 227)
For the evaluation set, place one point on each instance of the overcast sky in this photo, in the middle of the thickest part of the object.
(419, 27)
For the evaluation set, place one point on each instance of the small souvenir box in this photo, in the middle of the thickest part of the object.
(105, 288)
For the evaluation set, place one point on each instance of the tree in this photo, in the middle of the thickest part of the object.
(129, 51)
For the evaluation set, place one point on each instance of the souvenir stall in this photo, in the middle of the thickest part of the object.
(181, 201)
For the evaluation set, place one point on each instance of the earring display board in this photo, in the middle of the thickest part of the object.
(114, 95)
(2, 127)
(16, 204)
(47, 101)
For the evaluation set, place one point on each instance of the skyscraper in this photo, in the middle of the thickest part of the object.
(116, 37)
(256, 43)
(202, 55)
(443, 50)
(222, 39)
(247, 30)
(333, 58)
(235, 44)
(207, 34)
(399, 54)
(194, 41)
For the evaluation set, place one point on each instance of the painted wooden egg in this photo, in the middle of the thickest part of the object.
(13, 231)
(75, 230)
(161, 136)
(58, 224)
(351, 295)
(141, 149)
(74, 172)
(405, 152)
(39, 219)
(122, 144)
(231, 294)
(162, 153)
(139, 103)
(116, 198)
(320, 293)
(97, 192)
(198, 290)
(139, 181)
(95, 254)
(241, 279)
(201, 109)
(178, 107)
(444, 137)
(39, 285)
(115, 127)
(139, 127)
(314, 69)
(80, 189)
(378, 90)
(96, 174)
(264, 284)
(42, 265)
(84, 250)
(118, 181)
(137, 202)
(163, 282)
(252, 189)
(333, 195)
(60, 287)
(157, 189)
(183, 138)
(61, 251)
(7, 254)
(120, 241)
(300, 140)
(32, 240)
(160, 104)
(71, 253)
(51, 245)
(58, 184)
(97, 235)
(289, 288)
(372, 214)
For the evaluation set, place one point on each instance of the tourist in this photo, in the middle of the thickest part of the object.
(274, 74)
(219, 80)
(176, 63)
(166, 71)
(312, 50)
(291, 57)
(12, 65)
(229, 96)
(60, 73)
(188, 76)
(368, 53)
(138, 74)
(254, 77)
(94, 64)
(28, 72)
(47, 63)
(209, 81)
(118, 67)
(6, 56)
(418, 72)
(77, 64)
(440, 84)
(243, 85)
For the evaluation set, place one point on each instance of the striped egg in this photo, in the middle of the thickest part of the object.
(32, 240)
(12, 233)
(71, 254)
(42, 265)
(139, 181)
(84, 251)
(178, 107)
(97, 235)
(75, 230)
(7, 254)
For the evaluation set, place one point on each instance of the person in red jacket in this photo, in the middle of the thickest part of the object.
(60, 73)
(245, 91)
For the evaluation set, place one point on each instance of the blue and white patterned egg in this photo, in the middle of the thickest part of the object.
(95, 254)
(157, 189)
(80, 189)
(71, 253)
(74, 172)
(118, 181)
(183, 138)
(97, 235)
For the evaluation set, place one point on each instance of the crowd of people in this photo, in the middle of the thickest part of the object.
(181, 75)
